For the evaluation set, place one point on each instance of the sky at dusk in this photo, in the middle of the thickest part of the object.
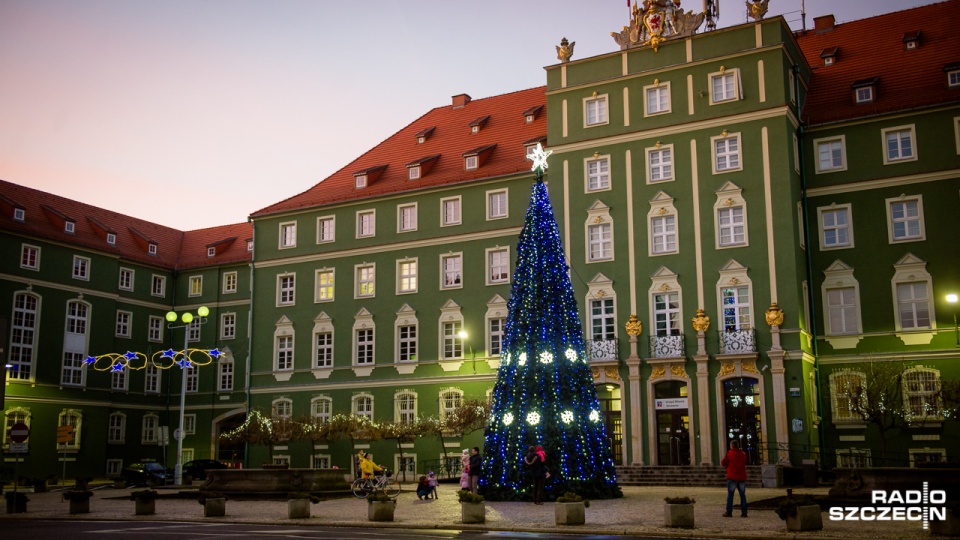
(193, 113)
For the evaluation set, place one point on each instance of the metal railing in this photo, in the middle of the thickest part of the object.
(602, 350)
(738, 341)
(448, 469)
(666, 346)
(850, 458)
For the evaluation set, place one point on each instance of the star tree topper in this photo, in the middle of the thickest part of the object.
(539, 158)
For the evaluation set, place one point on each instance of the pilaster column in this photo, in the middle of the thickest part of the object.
(701, 323)
(777, 355)
(634, 327)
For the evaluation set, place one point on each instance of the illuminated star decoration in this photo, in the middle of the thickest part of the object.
(539, 158)
(117, 367)
(130, 355)
(169, 353)
(185, 363)
(214, 353)
(90, 360)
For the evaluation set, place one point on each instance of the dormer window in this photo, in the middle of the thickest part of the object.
(413, 173)
(865, 95)
(953, 74)
(111, 239)
(474, 129)
(421, 140)
(365, 177)
(530, 114)
(474, 159)
(911, 40)
(424, 134)
(152, 249)
(864, 90)
(361, 181)
(421, 167)
(829, 55)
(249, 245)
(470, 163)
(531, 145)
(211, 252)
(19, 214)
(477, 124)
(69, 227)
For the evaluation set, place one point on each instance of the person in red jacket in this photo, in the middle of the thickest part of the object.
(736, 463)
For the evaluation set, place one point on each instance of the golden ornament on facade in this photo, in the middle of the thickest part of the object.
(726, 368)
(655, 22)
(634, 326)
(774, 315)
(677, 371)
(658, 145)
(611, 373)
(595, 371)
(658, 371)
(756, 9)
(748, 366)
(701, 323)
(565, 50)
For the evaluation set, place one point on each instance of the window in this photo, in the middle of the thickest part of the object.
(497, 204)
(360, 181)
(118, 380)
(324, 355)
(726, 153)
(249, 245)
(364, 339)
(731, 229)
(413, 172)
(152, 249)
(75, 344)
(73, 418)
(324, 281)
(407, 218)
(831, 155)
(228, 325)
(835, 229)
(498, 265)
(148, 433)
(155, 329)
(321, 408)
(602, 321)
(451, 271)
(366, 223)
(658, 99)
(470, 162)
(23, 334)
(288, 235)
(30, 257)
(953, 78)
(660, 164)
(736, 308)
(114, 466)
(848, 395)
(229, 282)
(366, 280)
(450, 400)
(196, 285)
(842, 311)
(841, 304)
(286, 289)
(864, 94)
(666, 313)
(663, 234)
(321, 461)
(284, 347)
(406, 412)
(225, 377)
(14, 415)
(724, 86)
(326, 229)
(450, 211)
(407, 343)
(19, 214)
(81, 268)
(898, 144)
(363, 405)
(913, 305)
(598, 174)
(921, 395)
(126, 279)
(151, 379)
(407, 276)
(116, 431)
(282, 408)
(595, 110)
(192, 374)
(189, 424)
(211, 252)
(69, 227)
(123, 323)
(158, 285)
(496, 330)
(905, 219)
(600, 239)
(452, 342)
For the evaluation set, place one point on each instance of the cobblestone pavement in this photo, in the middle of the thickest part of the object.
(639, 512)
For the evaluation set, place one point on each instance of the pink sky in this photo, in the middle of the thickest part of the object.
(194, 114)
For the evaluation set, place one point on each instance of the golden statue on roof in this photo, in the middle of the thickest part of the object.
(756, 9)
(565, 50)
(656, 22)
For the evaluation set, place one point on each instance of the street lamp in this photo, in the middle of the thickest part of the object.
(184, 364)
(952, 299)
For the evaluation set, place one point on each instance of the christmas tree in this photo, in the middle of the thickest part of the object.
(544, 393)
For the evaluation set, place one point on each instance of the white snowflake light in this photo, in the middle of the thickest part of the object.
(546, 357)
(533, 418)
(594, 416)
(566, 416)
(506, 359)
(508, 419)
(523, 359)
(571, 355)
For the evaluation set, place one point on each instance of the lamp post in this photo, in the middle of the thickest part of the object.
(184, 363)
(952, 299)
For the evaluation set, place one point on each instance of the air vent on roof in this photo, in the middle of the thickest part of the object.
(829, 55)
(424, 134)
(911, 40)
(531, 114)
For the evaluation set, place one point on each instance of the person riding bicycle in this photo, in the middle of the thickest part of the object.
(368, 467)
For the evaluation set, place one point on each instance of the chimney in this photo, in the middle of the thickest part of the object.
(824, 23)
(460, 100)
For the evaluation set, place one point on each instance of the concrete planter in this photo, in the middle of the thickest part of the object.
(144, 507)
(807, 518)
(947, 527)
(298, 508)
(380, 510)
(678, 515)
(215, 508)
(473, 512)
(80, 505)
(573, 513)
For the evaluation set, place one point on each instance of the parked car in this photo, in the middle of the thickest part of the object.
(148, 473)
(197, 469)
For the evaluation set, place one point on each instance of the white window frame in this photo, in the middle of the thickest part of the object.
(364, 336)
(326, 229)
(727, 154)
(451, 278)
(601, 104)
(116, 428)
(151, 379)
(113, 467)
(406, 346)
(362, 405)
(734, 77)
(322, 353)
(840, 280)
(81, 268)
(496, 311)
(230, 282)
(192, 373)
(282, 408)
(498, 208)
(119, 380)
(152, 249)
(154, 281)
(863, 94)
(413, 172)
(449, 399)
(189, 424)
(360, 181)
(664, 167)
(660, 89)
(729, 198)
(125, 280)
(321, 408)
(148, 429)
(661, 206)
(600, 179)
(283, 350)
(11, 416)
(471, 163)
(195, 287)
(406, 223)
(841, 141)
(665, 282)
(451, 344)
(446, 220)
(366, 228)
(840, 397)
(155, 329)
(26, 249)
(663, 235)
(599, 242)
(911, 132)
(286, 289)
(912, 270)
(228, 325)
(75, 345)
(407, 275)
(24, 331)
(365, 279)
(488, 257)
(823, 212)
(19, 214)
(405, 407)
(225, 374)
(930, 398)
(602, 314)
(124, 323)
(953, 78)
(891, 220)
(288, 235)
(69, 227)
(324, 288)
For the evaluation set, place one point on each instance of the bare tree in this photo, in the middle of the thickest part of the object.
(468, 416)
(401, 432)
(350, 427)
(879, 399)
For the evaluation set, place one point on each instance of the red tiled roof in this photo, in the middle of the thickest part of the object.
(874, 47)
(175, 249)
(506, 129)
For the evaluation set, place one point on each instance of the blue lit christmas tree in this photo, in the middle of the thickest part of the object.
(544, 393)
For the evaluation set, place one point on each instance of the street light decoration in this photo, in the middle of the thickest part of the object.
(167, 359)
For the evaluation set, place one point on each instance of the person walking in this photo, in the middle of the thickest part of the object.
(736, 463)
(535, 464)
(476, 467)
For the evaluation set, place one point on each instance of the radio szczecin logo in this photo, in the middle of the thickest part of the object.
(912, 505)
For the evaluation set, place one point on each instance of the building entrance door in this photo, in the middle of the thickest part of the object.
(673, 423)
(741, 399)
(610, 404)
(230, 453)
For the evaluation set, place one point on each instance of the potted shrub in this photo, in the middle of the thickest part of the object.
(570, 509)
(380, 507)
(298, 504)
(949, 526)
(472, 507)
(79, 501)
(678, 512)
(16, 502)
(801, 514)
(145, 502)
(214, 503)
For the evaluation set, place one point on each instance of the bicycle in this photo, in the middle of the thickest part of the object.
(384, 483)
